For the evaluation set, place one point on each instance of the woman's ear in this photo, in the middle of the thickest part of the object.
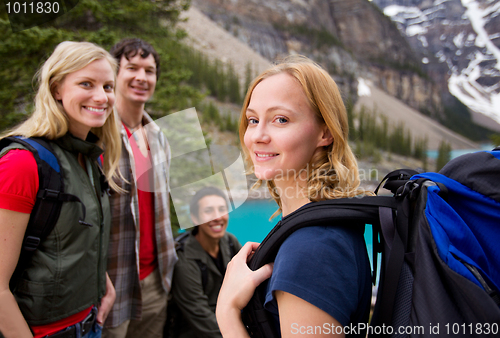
(56, 91)
(326, 137)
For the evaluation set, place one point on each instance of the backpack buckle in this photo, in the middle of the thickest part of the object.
(31, 243)
(408, 189)
(50, 194)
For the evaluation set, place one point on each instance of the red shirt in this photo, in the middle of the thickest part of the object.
(145, 186)
(18, 189)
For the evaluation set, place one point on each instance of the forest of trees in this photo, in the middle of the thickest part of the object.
(104, 23)
(372, 132)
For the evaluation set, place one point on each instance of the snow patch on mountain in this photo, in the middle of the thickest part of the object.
(468, 45)
(464, 84)
(363, 87)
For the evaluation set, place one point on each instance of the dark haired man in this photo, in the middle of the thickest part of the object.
(208, 247)
(141, 253)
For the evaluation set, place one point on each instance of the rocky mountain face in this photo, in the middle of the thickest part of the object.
(352, 39)
(458, 45)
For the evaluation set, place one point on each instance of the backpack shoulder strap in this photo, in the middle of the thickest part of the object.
(204, 274)
(47, 206)
(232, 249)
(180, 241)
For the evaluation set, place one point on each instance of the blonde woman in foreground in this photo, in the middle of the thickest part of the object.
(294, 133)
(64, 290)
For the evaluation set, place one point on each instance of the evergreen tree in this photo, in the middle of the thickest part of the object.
(234, 91)
(495, 139)
(248, 77)
(444, 155)
(104, 23)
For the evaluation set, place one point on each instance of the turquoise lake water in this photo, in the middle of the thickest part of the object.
(433, 154)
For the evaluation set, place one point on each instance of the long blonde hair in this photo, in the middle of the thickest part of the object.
(49, 119)
(333, 170)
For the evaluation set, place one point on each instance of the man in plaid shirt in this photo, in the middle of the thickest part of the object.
(141, 254)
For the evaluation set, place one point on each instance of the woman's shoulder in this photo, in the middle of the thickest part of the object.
(18, 162)
(19, 186)
(331, 236)
(325, 244)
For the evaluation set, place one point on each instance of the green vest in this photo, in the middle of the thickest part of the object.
(67, 273)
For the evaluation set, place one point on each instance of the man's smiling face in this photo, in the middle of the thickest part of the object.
(136, 79)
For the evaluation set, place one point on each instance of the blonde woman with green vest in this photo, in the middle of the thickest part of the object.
(64, 290)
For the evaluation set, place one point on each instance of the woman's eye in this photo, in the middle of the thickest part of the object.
(108, 88)
(281, 120)
(252, 120)
(85, 84)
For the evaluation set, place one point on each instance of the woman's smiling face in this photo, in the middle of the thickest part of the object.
(283, 132)
(87, 96)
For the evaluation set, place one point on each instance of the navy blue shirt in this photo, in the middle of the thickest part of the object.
(327, 267)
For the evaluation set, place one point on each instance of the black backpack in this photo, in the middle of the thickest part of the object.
(425, 288)
(49, 199)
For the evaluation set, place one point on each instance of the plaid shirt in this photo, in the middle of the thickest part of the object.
(123, 253)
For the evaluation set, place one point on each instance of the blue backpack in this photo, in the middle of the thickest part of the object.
(439, 239)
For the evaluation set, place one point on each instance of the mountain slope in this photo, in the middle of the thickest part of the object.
(212, 39)
(349, 38)
(206, 36)
(420, 125)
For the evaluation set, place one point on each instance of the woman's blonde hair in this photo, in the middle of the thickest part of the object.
(333, 171)
(49, 119)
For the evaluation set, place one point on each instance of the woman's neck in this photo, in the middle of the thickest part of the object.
(292, 195)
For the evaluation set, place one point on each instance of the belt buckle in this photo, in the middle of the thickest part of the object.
(88, 320)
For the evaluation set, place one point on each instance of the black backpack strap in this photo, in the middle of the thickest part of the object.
(395, 179)
(179, 246)
(181, 240)
(232, 249)
(393, 264)
(204, 274)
